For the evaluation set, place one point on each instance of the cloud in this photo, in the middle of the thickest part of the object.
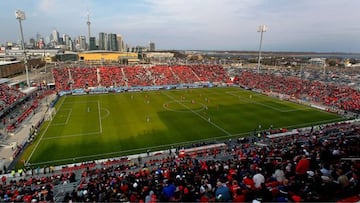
(202, 13)
(197, 20)
(58, 8)
(47, 6)
(196, 24)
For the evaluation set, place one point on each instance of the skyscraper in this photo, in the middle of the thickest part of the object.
(102, 41)
(112, 42)
(89, 34)
(120, 43)
(32, 42)
(82, 42)
(71, 45)
(66, 41)
(55, 37)
(152, 46)
(92, 43)
(38, 37)
(41, 43)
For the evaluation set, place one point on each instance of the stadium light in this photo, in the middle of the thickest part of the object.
(261, 29)
(20, 15)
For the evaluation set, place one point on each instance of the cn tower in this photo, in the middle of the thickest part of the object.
(89, 35)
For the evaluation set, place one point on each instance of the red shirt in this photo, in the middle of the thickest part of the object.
(239, 198)
(302, 167)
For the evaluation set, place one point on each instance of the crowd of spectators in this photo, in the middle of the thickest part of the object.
(162, 75)
(27, 110)
(137, 76)
(112, 76)
(329, 94)
(215, 73)
(326, 93)
(184, 74)
(310, 170)
(8, 96)
(78, 77)
(22, 110)
(32, 189)
(130, 76)
(314, 165)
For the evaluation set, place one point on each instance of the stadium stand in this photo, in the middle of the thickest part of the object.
(312, 164)
(112, 76)
(134, 76)
(27, 111)
(332, 95)
(8, 96)
(295, 168)
(212, 73)
(162, 75)
(185, 74)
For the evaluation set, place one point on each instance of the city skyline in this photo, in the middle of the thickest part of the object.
(319, 26)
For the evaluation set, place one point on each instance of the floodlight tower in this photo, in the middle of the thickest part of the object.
(261, 29)
(20, 15)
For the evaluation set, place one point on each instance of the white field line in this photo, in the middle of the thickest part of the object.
(42, 135)
(168, 145)
(142, 149)
(71, 135)
(248, 101)
(206, 119)
(117, 152)
(107, 113)
(99, 117)
(313, 123)
(66, 122)
(79, 102)
(67, 119)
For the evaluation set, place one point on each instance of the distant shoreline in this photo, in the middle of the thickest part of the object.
(275, 53)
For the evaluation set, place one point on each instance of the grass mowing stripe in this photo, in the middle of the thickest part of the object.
(214, 124)
(122, 118)
(99, 117)
(42, 135)
(68, 136)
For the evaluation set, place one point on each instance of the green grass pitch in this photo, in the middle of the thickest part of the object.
(110, 125)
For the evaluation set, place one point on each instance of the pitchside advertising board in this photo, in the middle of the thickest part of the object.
(195, 150)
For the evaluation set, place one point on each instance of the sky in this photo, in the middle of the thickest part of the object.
(293, 25)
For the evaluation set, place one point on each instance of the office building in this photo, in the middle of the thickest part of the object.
(120, 43)
(102, 41)
(112, 42)
(92, 43)
(152, 46)
(55, 37)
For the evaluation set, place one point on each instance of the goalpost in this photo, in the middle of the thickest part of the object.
(50, 114)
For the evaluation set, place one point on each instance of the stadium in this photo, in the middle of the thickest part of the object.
(186, 129)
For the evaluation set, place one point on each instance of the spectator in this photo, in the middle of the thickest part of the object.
(222, 192)
(169, 191)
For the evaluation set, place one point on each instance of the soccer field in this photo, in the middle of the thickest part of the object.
(99, 126)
